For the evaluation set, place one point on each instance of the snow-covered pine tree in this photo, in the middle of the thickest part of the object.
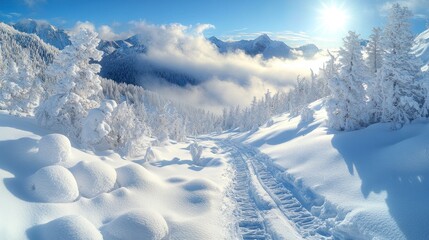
(327, 72)
(402, 96)
(374, 62)
(76, 86)
(20, 87)
(374, 50)
(347, 105)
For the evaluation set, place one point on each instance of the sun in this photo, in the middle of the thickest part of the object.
(333, 18)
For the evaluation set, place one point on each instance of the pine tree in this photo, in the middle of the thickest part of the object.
(374, 50)
(402, 96)
(76, 86)
(374, 61)
(347, 105)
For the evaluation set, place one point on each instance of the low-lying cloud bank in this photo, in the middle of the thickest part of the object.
(222, 79)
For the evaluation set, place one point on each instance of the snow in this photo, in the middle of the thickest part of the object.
(136, 176)
(372, 181)
(196, 151)
(72, 227)
(48, 33)
(421, 48)
(94, 177)
(137, 224)
(54, 148)
(53, 184)
(185, 201)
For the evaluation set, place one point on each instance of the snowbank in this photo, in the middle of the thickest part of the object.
(94, 177)
(72, 227)
(53, 184)
(136, 224)
(54, 148)
(136, 176)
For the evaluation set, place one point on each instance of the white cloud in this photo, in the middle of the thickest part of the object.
(10, 15)
(224, 79)
(82, 25)
(31, 3)
(106, 32)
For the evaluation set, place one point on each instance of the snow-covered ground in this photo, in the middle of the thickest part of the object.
(291, 180)
(50, 190)
(372, 183)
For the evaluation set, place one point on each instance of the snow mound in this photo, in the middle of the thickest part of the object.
(53, 184)
(54, 148)
(200, 185)
(134, 175)
(136, 224)
(71, 227)
(94, 177)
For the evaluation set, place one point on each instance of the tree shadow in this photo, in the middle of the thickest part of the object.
(275, 138)
(206, 162)
(25, 124)
(19, 160)
(372, 153)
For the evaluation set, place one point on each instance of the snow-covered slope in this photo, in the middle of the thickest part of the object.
(372, 183)
(15, 44)
(265, 46)
(421, 47)
(52, 190)
(48, 33)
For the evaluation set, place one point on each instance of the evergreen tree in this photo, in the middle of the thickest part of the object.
(402, 96)
(374, 62)
(76, 84)
(374, 50)
(347, 105)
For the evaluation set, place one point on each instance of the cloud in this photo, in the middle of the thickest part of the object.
(106, 32)
(222, 79)
(32, 3)
(82, 25)
(10, 15)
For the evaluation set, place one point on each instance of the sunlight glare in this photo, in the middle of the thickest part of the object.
(333, 18)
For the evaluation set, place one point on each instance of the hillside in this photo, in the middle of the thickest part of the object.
(45, 31)
(16, 45)
(372, 182)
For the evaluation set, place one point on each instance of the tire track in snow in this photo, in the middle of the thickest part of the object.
(260, 194)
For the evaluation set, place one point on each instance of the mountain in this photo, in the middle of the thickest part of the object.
(265, 46)
(48, 33)
(261, 45)
(19, 46)
(109, 47)
(421, 48)
(308, 50)
(126, 64)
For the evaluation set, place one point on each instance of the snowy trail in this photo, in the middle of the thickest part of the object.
(266, 207)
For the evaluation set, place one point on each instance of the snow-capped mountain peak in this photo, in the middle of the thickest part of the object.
(263, 45)
(421, 48)
(264, 38)
(47, 32)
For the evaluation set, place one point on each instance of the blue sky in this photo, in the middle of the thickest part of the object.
(295, 22)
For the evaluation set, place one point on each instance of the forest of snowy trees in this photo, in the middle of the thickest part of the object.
(388, 86)
(67, 94)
